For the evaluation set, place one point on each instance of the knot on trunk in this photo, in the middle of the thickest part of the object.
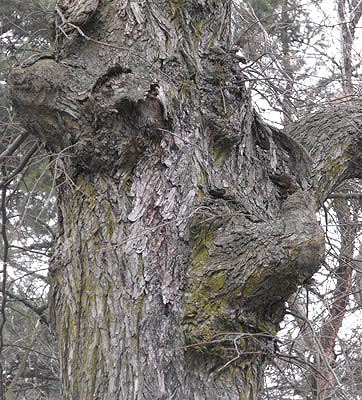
(43, 96)
(241, 273)
(102, 124)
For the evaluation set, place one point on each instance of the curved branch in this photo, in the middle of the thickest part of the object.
(334, 141)
(249, 270)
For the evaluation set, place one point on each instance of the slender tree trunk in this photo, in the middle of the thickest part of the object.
(325, 383)
(184, 221)
(349, 14)
(346, 47)
(285, 38)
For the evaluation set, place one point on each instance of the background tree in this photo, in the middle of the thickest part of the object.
(28, 363)
(280, 39)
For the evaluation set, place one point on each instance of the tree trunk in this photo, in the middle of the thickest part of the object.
(184, 221)
(326, 388)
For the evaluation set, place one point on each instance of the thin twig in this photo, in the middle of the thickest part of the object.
(24, 162)
(5, 256)
(14, 146)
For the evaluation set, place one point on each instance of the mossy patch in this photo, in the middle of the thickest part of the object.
(206, 304)
(221, 149)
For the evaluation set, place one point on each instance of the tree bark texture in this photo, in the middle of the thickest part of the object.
(185, 222)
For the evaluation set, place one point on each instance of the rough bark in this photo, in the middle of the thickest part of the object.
(184, 224)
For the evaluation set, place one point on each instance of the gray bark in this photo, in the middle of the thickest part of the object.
(184, 224)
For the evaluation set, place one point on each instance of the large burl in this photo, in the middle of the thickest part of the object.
(97, 121)
(241, 273)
